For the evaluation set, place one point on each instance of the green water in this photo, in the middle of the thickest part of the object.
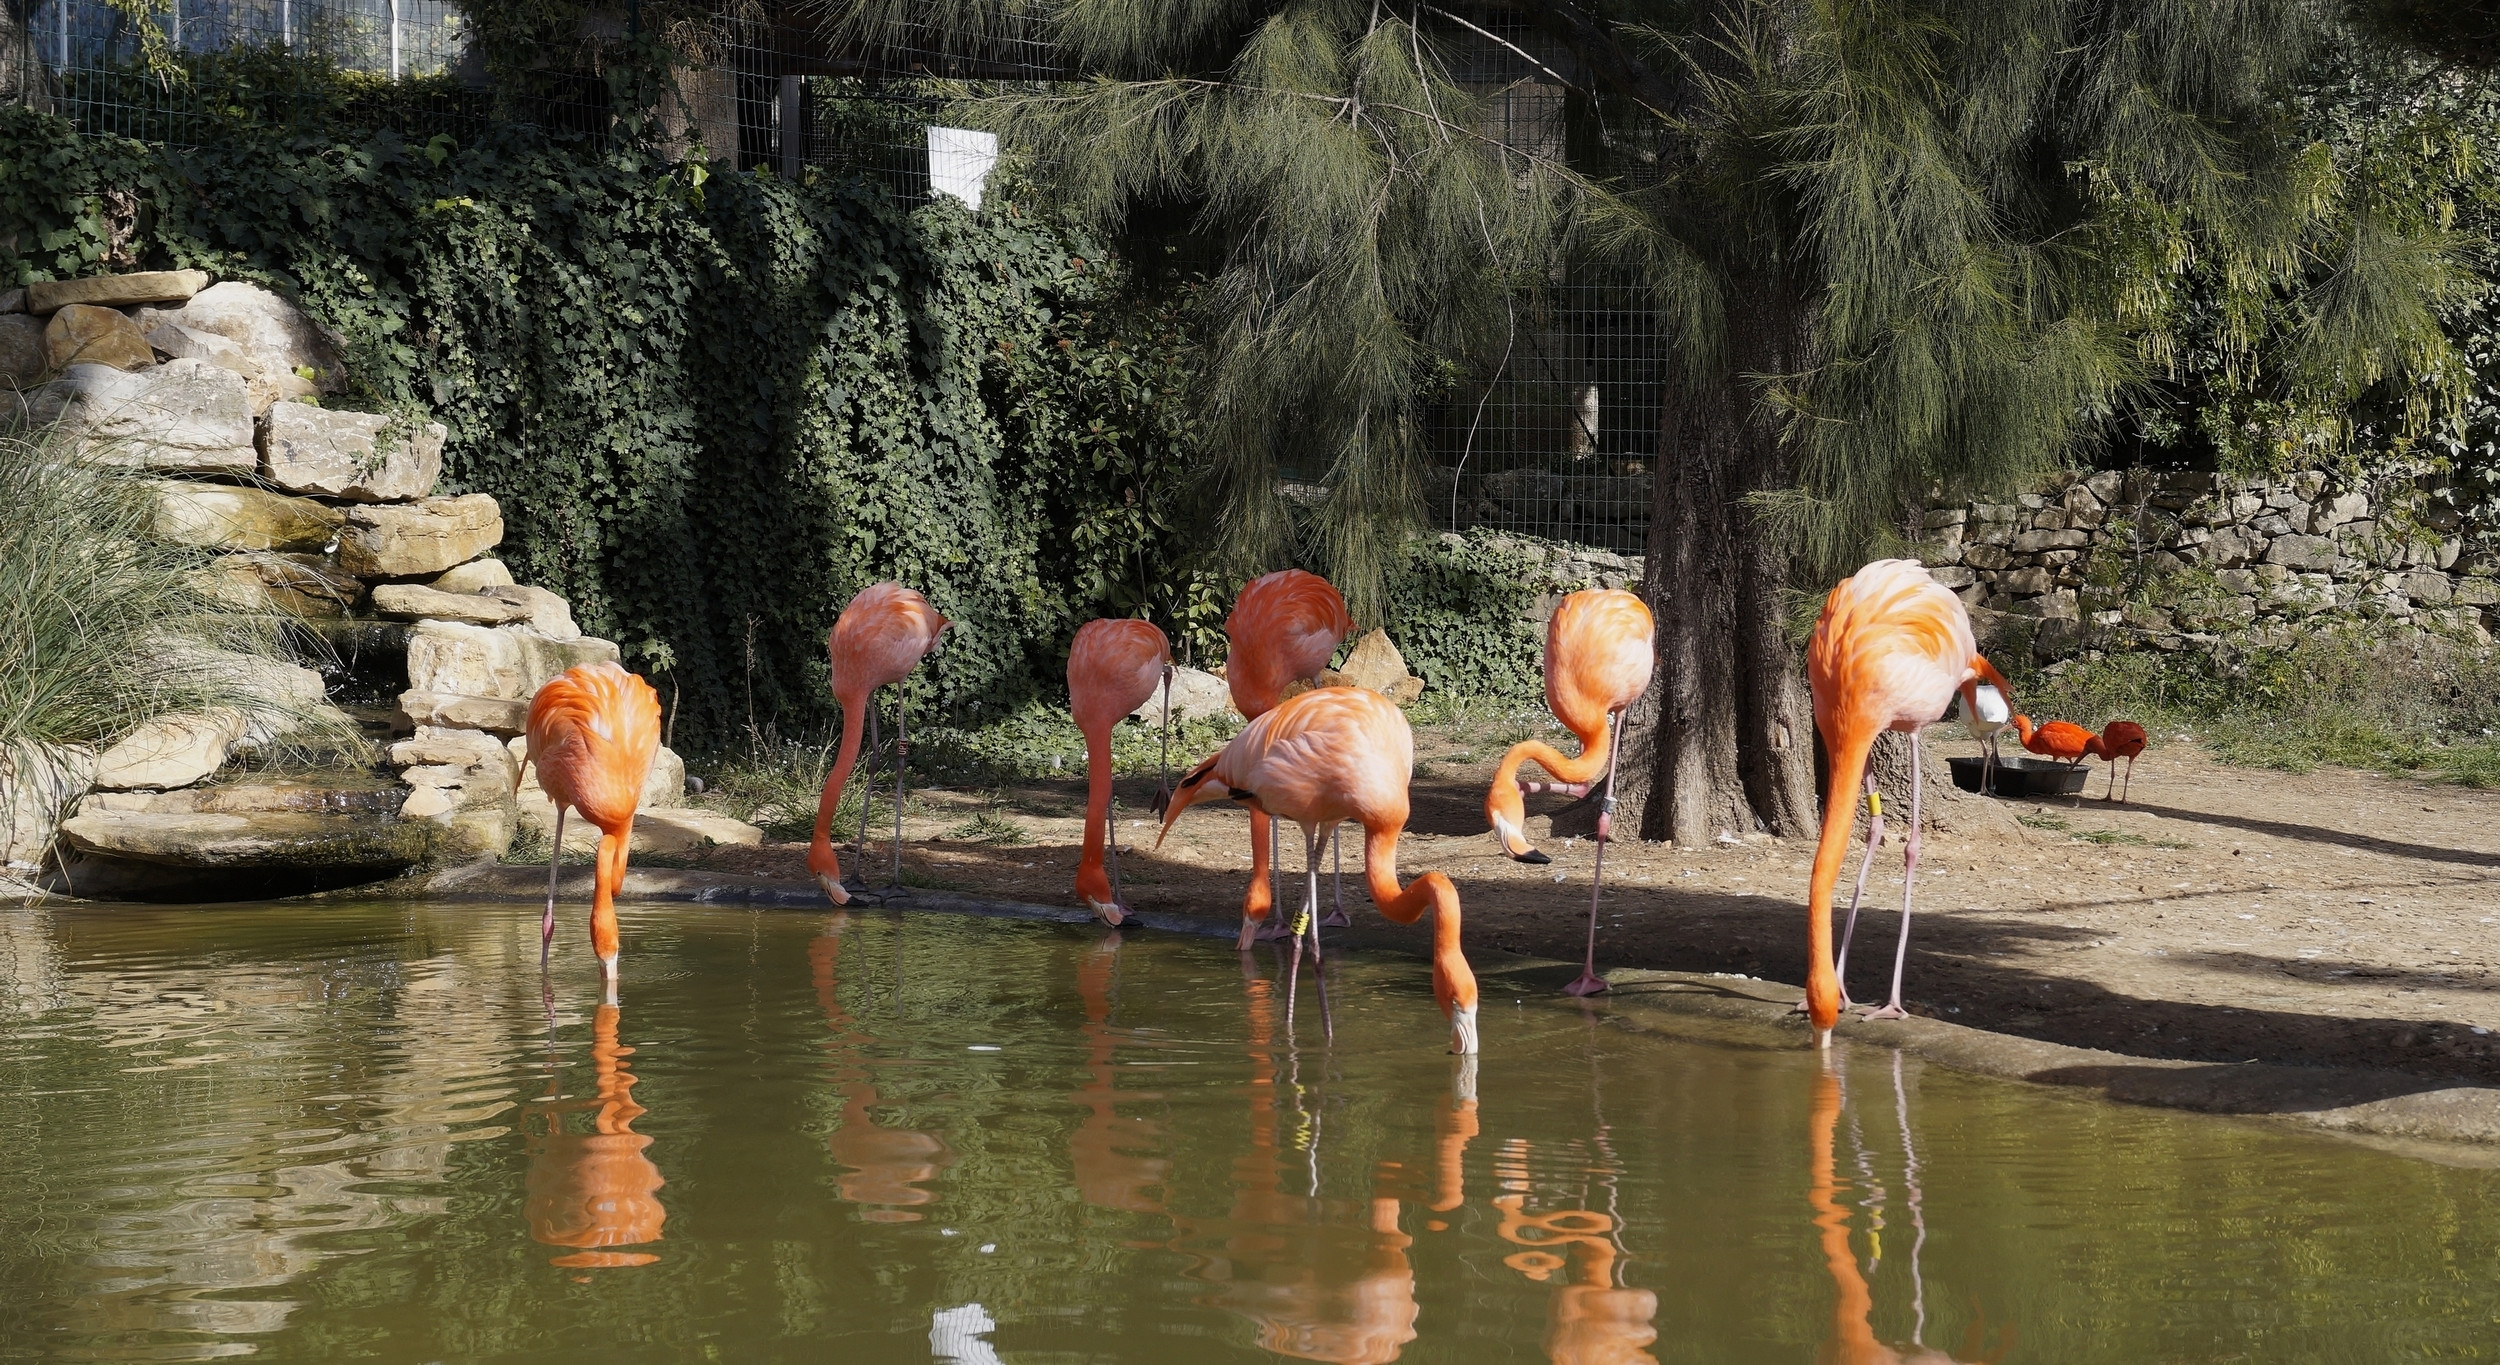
(370, 1132)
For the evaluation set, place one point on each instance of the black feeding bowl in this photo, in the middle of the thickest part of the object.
(2021, 776)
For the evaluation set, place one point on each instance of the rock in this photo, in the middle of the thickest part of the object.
(510, 663)
(268, 840)
(242, 518)
(274, 332)
(2300, 552)
(1944, 516)
(1196, 695)
(392, 541)
(475, 576)
(2477, 592)
(2049, 518)
(2062, 605)
(263, 386)
(38, 783)
(170, 751)
(2231, 548)
(454, 711)
(185, 417)
(2026, 582)
(118, 291)
(408, 601)
(357, 456)
(2272, 524)
(2144, 617)
(1375, 665)
(13, 301)
(544, 611)
(1953, 576)
(24, 359)
(433, 746)
(1985, 556)
(2030, 541)
(294, 584)
(2240, 581)
(2215, 613)
(2429, 589)
(80, 335)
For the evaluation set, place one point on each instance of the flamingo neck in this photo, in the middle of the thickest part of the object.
(608, 878)
(1453, 981)
(820, 855)
(1840, 813)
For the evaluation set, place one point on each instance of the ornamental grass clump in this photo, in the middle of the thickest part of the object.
(105, 625)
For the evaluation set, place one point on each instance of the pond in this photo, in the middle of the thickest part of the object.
(375, 1131)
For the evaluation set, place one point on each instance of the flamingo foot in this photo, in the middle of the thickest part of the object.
(1590, 983)
(1273, 930)
(1891, 1011)
(1337, 919)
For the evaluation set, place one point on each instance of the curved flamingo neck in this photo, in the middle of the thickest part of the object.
(608, 878)
(1840, 814)
(820, 855)
(1453, 981)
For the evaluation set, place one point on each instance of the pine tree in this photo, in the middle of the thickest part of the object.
(1898, 246)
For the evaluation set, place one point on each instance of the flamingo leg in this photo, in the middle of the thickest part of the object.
(902, 750)
(1111, 833)
(1589, 982)
(2111, 791)
(1338, 918)
(2130, 778)
(876, 745)
(1309, 917)
(555, 861)
(1909, 875)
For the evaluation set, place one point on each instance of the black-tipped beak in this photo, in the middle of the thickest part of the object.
(1534, 857)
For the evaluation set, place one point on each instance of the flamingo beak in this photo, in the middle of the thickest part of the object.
(833, 889)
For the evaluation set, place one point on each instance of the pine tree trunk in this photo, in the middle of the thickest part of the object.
(1725, 745)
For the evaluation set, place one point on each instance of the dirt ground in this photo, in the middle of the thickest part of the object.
(2221, 915)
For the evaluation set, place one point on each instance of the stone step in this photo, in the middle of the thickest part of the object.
(208, 855)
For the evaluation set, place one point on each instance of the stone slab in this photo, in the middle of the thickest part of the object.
(170, 751)
(80, 334)
(355, 456)
(475, 576)
(184, 417)
(510, 662)
(118, 291)
(275, 840)
(295, 584)
(411, 602)
(242, 518)
(457, 711)
(424, 538)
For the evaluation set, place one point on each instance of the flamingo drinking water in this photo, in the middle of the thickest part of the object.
(593, 731)
(1889, 653)
(878, 639)
(1113, 666)
(1322, 758)
(1598, 659)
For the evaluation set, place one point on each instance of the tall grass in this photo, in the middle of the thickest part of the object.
(105, 625)
(2395, 701)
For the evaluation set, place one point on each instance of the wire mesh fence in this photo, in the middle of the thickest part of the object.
(1557, 438)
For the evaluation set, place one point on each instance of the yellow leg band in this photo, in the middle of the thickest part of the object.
(1875, 804)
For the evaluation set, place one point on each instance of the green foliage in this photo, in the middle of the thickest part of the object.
(712, 408)
(2397, 703)
(1463, 611)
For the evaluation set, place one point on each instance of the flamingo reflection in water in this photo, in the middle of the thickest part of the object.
(1593, 1322)
(1102, 1150)
(1853, 1340)
(884, 1166)
(1319, 1279)
(594, 1190)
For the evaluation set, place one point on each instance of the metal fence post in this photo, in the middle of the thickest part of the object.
(793, 139)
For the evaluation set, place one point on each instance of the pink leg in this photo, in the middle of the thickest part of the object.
(1589, 982)
(2130, 777)
(1909, 876)
(555, 860)
(1338, 918)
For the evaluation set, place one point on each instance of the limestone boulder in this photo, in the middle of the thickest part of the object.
(477, 661)
(275, 333)
(264, 387)
(475, 576)
(84, 335)
(2308, 554)
(185, 417)
(1196, 695)
(546, 613)
(242, 518)
(38, 784)
(170, 751)
(1375, 665)
(424, 538)
(436, 747)
(452, 710)
(356, 456)
(408, 601)
(24, 359)
(293, 841)
(116, 291)
(296, 584)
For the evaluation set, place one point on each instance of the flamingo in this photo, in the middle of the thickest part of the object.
(593, 731)
(878, 639)
(595, 1190)
(1985, 712)
(1113, 666)
(1283, 629)
(2119, 739)
(1598, 658)
(1892, 648)
(1331, 755)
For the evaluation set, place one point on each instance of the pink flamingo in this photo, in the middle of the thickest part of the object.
(1283, 630)
(1598, 658)
(878, 639)
(1325, 757)
(1113, 666)
(1890, 651)
(593, 731)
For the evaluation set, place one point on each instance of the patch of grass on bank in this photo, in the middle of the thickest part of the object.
(2397, 702)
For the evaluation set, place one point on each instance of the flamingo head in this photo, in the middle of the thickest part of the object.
(828, 872)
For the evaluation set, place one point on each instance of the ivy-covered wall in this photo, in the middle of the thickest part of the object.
(711, 407)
